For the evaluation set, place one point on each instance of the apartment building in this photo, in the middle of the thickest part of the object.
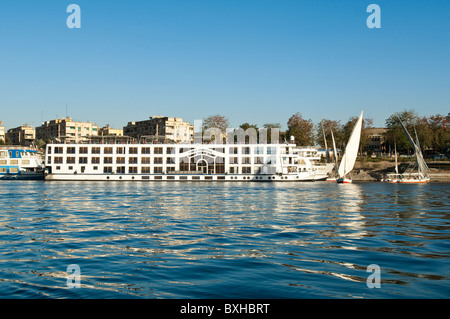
(161, 128)
(109, 131)
(2, 132)
(23, 135)
(66, 129)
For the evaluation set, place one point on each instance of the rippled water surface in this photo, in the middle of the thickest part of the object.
(223, 240)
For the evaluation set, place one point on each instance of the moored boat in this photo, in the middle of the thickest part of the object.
(21, 163)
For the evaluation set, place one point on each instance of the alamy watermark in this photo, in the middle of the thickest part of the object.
(374, 280)
(74, 276)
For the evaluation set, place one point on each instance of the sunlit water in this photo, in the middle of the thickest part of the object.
(223, 240)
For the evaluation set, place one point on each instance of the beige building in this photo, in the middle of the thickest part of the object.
(375, 140)
(161, 128)
(108, 131)
(22, 135)
(2, 133)
(66, 129)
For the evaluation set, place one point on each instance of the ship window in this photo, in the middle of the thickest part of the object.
(145, 150)
(133, 150)
(70, 168)
(158, 150)
(132, 170)
(120, 170)
(49, 160)
(132, 160)
(95, 150)
(170, 160)
(120, 150)
(58, 168)
(95, 160)
(108, 150)
(120, 160)
(49, 151)
(58, 150)
(145, 170)
(246, 160)
(70, 160)
(170, 150)
(2, 169)
(82, 160)
(157, 170)
(71, 150)
(158, 160)
(83, 150)
(107, 169)
(58, 160)
(246, 170)
(107, 160)
(145, 160)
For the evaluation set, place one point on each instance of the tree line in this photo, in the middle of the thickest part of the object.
(432, 131)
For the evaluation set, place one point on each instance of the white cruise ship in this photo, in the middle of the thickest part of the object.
(183, 162)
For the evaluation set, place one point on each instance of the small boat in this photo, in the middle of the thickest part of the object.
(351, 152)
(335, 156)
(409, 176)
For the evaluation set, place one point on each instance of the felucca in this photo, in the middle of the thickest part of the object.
(351, 152)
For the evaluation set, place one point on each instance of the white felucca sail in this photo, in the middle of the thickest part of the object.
(351, 150)
(421, 164)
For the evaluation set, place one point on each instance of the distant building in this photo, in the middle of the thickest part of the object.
(108, 131)
(161, 128)
(2, 132)
(23, 135)
(66, 129)
(375, 143)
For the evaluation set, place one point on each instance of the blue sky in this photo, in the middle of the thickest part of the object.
(255, 61)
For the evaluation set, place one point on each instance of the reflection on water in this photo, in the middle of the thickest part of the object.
(221, 240)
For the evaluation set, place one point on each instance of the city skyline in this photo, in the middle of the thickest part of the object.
(251, 61)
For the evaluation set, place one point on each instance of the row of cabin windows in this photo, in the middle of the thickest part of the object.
(109, 160)
(159, 170)
(156, 150)
(146, 160)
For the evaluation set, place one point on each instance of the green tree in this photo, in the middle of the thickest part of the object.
(395, 134)
(347, 129)
(301, 129)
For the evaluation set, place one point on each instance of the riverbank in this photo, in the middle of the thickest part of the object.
(375, 171)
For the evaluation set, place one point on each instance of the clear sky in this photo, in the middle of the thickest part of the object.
(255, 61)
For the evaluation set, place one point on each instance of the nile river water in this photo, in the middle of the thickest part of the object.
(223, 240)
